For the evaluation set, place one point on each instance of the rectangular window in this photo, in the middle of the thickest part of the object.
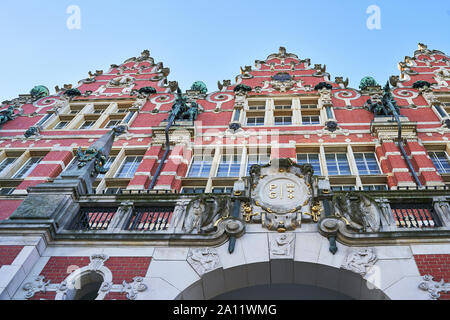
(6, 191)
(367, 163)
(27, 168)
(200, 167)
(193, 190)
(260, 159)
(343, 188)
(283, 107)
(98, 111)
(375, 187)
(87, 125)
(61, 125)
(283, 121)
(107, 166)
(112, 124)
(6, 163)
(255, 121)
(129, 167)
(311, 158)
(441, 161)
(311, 120)
(337, 164)
(229, 166)
(223, 190)
(257, 108)
(112, 190)
(309, 106)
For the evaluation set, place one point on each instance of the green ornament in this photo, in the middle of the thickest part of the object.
(199, 86)
(39, 92)
(367, 82)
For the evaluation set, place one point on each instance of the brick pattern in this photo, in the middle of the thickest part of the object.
(436, 265)
(122, 268)
(8, 254)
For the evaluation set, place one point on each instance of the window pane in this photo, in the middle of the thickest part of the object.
(440, 161)
(311, 158)
(6, 163)
(129, 167)
(27, 168)
(337, 164)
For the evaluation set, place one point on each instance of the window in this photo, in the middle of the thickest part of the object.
(87, 125)
(107, 166)
(6, 163)
(260, 159)
(311, 158)
(6, 191)
(441, 161)
(200, 167)
(74, 111)
(375, 187)
(97, 111)
(229, 166)
(112, 124)
(122, 110)
(112, 190)
(61, 125)
(283, 107)
(309, 106)
(129, 167)
(283, 121)
(256, 107)
(255, 121)
(193, 190)
(337, 164)
(343, 188)
(27, 168)
(311, 120)
(223, 190)
(367, 163)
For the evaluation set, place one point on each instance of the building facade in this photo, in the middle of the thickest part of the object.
(282, 181)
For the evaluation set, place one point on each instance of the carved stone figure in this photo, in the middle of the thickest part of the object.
(203, 212)
(358, 211)
(282, 244)
(203, 260)
(38, 285)
(7, 115)
(122, 81)
(360, 261)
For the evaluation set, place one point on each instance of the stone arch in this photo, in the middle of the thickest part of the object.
(285, 272)
(94, 275)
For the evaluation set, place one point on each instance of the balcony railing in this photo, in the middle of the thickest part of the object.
(407, 215)
(93, 219)
(150, 219)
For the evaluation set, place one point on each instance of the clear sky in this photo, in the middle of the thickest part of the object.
(210, 40)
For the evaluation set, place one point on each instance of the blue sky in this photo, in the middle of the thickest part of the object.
(210, 40)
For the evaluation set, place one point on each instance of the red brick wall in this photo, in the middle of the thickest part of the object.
(436, 265)
(8, 254)
(122, 268)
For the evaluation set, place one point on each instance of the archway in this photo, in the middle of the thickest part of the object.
(287, 280)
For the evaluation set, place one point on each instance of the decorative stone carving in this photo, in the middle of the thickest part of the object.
(203, 260)
(434, 288)
(281, 195)
(204, 212)
(32, 131)
(132, 289)
(38, 285)
(282, 245)
(360, 260)
(97, 261)
(106, 287)
(123, 81)
(358, 211)
(7, 115)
